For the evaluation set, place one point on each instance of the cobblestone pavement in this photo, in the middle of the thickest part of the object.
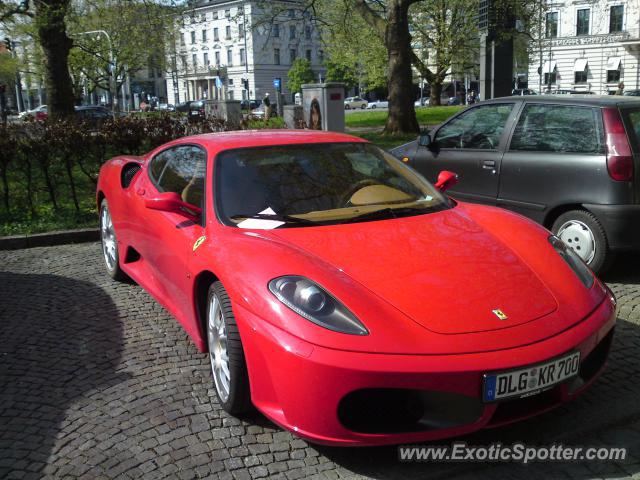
(98, 381)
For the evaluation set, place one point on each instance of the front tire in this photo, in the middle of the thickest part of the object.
(226, 354)
(582, 231)
(347, 107)
(109, 243)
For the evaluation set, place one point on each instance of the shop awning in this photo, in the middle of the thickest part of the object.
(613, 63)
(549, 66)
(580, 65)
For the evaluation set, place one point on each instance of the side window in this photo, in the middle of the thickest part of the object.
(558, 128)
(183, 172)
(156, 167)
(477, 128)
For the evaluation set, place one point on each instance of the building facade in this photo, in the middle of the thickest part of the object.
(235, 49)
(587, 45)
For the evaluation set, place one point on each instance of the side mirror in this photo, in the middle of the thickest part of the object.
(172, 202)
(424, 140)
(446, 180)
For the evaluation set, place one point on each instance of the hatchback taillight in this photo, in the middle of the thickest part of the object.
(619, 156)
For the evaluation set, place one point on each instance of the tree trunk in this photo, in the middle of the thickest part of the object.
(402, 115)
(50, 20)
(72, 183)
(436, 91)
(5, 188)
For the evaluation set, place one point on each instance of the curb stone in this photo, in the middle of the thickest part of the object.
(15, 242)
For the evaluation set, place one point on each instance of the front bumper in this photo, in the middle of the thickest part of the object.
(323, 394)
(621, 224)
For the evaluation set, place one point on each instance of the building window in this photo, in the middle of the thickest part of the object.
(216, 35)
(276, 30)
(321, 55)
(227, 32)
(227, 13)
(580, 77)
(194, 58)
(613, 76)
(217, 57)
(582, 24)
(550, 78)
(205, 59)
(307, 32)
(231, 82)
(193, 37)
(616, 15)
(183, 42)
(307, 55)
(204, 36)
(552, 25)
(292, 13)
(241, 30)
(276, 56)
(230, 94)
(292, 32)
(230, 57)
(292, 55)
(242, 59)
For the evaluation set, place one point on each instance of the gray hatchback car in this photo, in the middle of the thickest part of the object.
(570, 163)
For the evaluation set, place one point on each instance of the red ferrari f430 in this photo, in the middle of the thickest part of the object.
(344, 296)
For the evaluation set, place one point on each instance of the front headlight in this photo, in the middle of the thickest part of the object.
(573, 260)
(311, 301)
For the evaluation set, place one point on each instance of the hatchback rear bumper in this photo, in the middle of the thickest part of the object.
(621, 224)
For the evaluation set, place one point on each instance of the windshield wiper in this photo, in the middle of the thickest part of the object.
(275, 216)
(387, 213)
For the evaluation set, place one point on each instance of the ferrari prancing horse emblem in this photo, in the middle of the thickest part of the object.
(199, 242)
(500, 314)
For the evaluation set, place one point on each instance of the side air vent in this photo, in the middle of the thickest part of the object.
(128, 172)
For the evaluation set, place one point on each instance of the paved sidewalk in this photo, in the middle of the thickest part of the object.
(98, 381)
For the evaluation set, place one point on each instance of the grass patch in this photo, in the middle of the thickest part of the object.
(377, 118)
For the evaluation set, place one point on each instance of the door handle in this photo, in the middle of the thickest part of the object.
(489, 164)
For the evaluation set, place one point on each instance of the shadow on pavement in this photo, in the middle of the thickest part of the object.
(607, 415)
(52, 351)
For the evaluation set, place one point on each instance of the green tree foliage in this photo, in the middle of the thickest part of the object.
(299, 74)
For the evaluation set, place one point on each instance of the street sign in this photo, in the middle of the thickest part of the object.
(277, 82)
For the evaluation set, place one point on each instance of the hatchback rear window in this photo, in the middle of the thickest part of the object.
(632, 119)
(559, 128)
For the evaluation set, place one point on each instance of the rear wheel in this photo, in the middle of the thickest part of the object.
(347, 107)
(109, 243)
(582, 231)
(226, 355)
(363, 106)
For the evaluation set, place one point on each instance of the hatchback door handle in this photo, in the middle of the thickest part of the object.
(489, 164)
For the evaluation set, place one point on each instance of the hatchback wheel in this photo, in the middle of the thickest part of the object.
(110, 243)
(582, 231)
(362, 107)
(347, 107)
(226, 355)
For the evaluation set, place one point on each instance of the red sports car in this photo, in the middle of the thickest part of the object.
(346, 297)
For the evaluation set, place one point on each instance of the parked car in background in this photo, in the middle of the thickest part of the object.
(632, 93)
(422, 102)
(454, 101)
(523, 91)
(378, 104)
(166, 107)
(250, 104)
(260, 111)
(568, 162)
(38, 113)
(196, 110)
(351, 103)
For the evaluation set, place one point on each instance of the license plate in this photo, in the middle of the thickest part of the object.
(530, 380)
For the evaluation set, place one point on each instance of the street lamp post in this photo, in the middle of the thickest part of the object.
(112, 66)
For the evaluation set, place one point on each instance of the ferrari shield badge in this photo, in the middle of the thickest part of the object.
(199, 242)
(500, 314)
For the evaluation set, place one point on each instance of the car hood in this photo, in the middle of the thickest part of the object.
(443, 270)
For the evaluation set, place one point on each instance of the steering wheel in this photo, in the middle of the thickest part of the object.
(345, 200)
(480, 140)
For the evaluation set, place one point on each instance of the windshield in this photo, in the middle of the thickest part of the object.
(315, 184)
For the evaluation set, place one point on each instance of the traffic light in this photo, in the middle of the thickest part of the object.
(7, 44)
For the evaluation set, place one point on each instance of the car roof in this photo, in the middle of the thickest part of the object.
(573, 99)
(263, 138)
